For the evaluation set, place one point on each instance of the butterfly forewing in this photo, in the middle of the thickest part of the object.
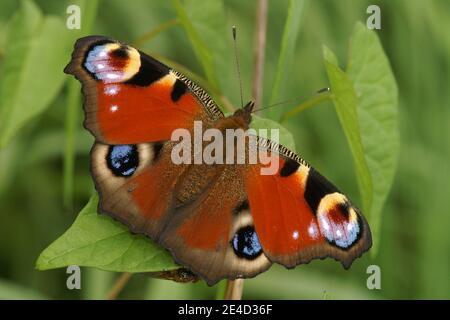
(131, 98)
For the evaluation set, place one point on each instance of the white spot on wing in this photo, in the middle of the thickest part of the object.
(325, 225)
(342, 232)
(112, 76)
(111, 90)
(312, 230)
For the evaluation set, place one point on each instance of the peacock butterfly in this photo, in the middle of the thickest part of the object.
(219, 220)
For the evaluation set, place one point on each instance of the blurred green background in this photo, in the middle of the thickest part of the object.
(37, 204)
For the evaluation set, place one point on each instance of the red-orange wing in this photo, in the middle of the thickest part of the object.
(130, 97)
(299, 215)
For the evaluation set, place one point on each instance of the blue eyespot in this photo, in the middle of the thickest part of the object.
(123, 160)
(246, 244)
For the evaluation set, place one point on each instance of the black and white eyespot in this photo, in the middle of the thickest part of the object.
(118, 162)
(246, 244)
(244, 240)
(338, 221)
(112, 62)
(123, 160)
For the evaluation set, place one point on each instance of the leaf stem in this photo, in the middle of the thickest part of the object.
(154, 32)
(260, 44)
(234, 289)
(118, 286)
(313, 101)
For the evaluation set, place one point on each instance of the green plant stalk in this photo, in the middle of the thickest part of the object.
(315, 100)
(118, 286)
(287, 47)
(73, 103)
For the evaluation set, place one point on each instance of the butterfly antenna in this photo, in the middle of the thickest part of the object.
(237, 65)
(273, 105)
(324, 90)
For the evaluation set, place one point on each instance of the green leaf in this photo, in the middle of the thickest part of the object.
(31, 69)
(203, 53)
(285, 136)
(366, 101)
(377, 94)
(345, 101)
(287, 51)
(99, 241)
(206, 28)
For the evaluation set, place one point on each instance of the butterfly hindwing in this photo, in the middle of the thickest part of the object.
(182, 207)
(135, 183)
(214, 233)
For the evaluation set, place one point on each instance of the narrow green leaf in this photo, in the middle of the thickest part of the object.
(287, 51)
(366, 100)
(31, 69)
(345, 101)
(203, 53)
(313, 101)
(206, 27)
(146, 37)
(377, 94)
(99, 241)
